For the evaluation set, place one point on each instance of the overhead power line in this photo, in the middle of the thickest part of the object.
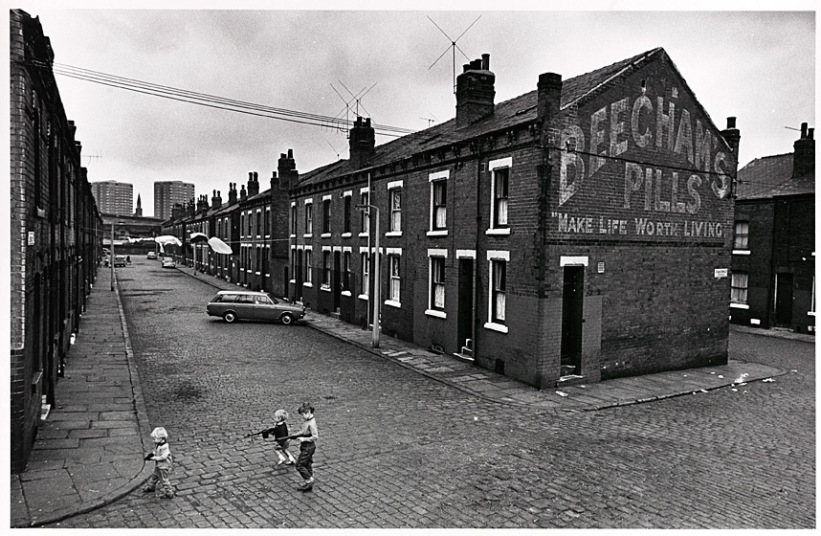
(213, 101)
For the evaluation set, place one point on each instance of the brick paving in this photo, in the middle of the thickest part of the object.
(432, 442)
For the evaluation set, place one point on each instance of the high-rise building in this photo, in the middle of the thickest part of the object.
(167, 194)
(113, 197)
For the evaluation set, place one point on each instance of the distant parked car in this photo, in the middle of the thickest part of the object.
(120, 261)
(233, 305)
(151, 255)
(168, 262)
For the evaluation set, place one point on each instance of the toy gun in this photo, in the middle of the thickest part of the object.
(264, 433)
(148, 456)
(294, 436)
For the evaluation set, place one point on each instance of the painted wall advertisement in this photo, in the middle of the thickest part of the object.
(643, 167)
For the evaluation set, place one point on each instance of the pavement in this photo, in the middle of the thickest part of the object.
(89, 449)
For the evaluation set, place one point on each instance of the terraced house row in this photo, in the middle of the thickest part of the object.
(55, 233)
(579, 232)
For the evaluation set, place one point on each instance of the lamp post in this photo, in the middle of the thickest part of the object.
(111, 256)
(376, 269)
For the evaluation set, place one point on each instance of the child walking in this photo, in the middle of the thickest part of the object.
(307, 446)
(282, 440)
(163, 464)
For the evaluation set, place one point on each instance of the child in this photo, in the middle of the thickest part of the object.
(307, 446)
(163, 464)
(281, 435)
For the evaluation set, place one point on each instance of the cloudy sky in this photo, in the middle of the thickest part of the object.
(758, 66)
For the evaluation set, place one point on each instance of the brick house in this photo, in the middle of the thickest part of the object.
(253, 223)
(578, 232)
(773, 279)
(55, 233)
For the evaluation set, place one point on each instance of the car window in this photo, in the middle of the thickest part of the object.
(264, 300)
(243, 298)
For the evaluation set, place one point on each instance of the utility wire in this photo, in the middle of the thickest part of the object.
(211, 101)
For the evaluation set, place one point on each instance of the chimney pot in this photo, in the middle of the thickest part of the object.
(485, 62)
(803, 130)
(731, 122)
(810, 133)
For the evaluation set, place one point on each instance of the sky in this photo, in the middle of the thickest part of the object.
(756, 65)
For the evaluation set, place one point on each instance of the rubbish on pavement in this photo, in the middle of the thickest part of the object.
(768, 380)
(561, 393)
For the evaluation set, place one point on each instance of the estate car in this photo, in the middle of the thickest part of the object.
(233, 305)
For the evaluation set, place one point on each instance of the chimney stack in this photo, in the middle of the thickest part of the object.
(232, 193)
(243, 195)
(216, 200)
(286, 170)
(803, 160)
(732, 135)
(253, 183)
(362, 142)
(475, 91)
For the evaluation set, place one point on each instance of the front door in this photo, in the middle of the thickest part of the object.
(783, 299)
(464, 326)
(572, 318)
(336, 283)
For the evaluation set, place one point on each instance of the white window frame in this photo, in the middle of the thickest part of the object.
(394, 255)
(433, 178)
(365, 222)
(737, 249)
(739, 304)
(364, 273)
(493, 257)
(811, 312)
(326, 217)
(308, 281)
(493, 166)
(351, 210)
(439, 254)
(393, 188)
(295, 221)
(309, 218)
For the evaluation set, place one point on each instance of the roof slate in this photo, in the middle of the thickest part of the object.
(516, 111)
(771, 176)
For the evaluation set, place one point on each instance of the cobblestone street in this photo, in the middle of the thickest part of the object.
(398, 449)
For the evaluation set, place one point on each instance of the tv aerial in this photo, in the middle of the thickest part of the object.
(357, 98)
(453, 48)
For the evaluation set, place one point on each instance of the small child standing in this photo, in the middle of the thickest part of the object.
(307, 446)
(163, 464)
(280, 431)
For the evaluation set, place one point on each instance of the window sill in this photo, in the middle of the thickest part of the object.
(292, 235)
(311, 235)
(435, 313)
(393, 233)
(392, 303)
(363, 235)
(438, 233)
(346, 235)
(325, 288)
(739, 306)
(501, 328)
(307, 285)
(345, 293)
(363, 297)
(498, 232)
(741, 252)
(810, 313)
(325, 235)
(292, 281)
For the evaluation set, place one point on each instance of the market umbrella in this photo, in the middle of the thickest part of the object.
(196, 238)
(219, 246)
(164, 240)
(167, 239)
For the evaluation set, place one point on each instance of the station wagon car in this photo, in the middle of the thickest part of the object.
(233, 305)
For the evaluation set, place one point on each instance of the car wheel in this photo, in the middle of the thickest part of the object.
(287, 319)
(230, 317)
